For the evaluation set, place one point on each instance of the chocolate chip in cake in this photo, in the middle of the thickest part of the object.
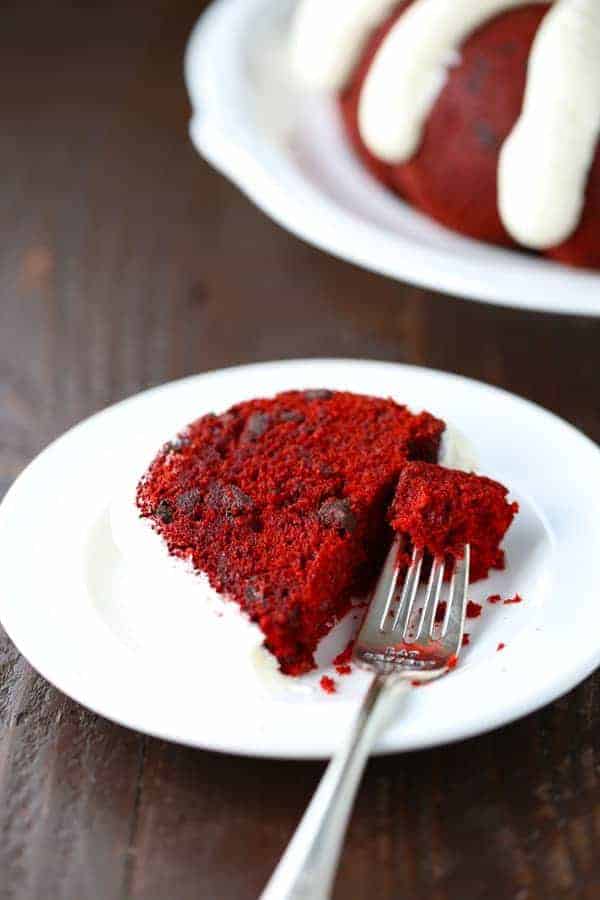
(256, 426)
(257, 603)
(294, 615)
(337, 513)
(215, 495)
(252, 592)
(177, 444)
(291, 415)
(237, 501)
(229, 498)
(226, 425)
(318, 394)
(227, 419)
(486, 136)
(164, 511)
(189, 501)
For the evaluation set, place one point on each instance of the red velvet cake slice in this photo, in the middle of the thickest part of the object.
(283, 504)
(442, 509)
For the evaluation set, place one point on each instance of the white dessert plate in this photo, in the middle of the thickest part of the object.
(288, 153)
(142, 661)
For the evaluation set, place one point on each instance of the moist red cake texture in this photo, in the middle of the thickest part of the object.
(442, 510)
(284, 502)
(453, 175)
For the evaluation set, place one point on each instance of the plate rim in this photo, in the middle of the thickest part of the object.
(564, 682)
(224, 131)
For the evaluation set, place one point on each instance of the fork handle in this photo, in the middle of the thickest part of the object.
(307, 869)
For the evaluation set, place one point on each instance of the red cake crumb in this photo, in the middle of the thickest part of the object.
(453, 662)
(494, 598)
(473, 610)
(500, 646)
(328, 684)
(440, 612)
(343, 669)
(345, 656)
(443, 509)
(516, 599)
(282, 503)
(466, 639)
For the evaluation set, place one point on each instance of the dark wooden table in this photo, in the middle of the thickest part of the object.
(127, 262)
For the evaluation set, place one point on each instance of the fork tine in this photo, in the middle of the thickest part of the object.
(409, 592)
(434, 588)
(454, 620)
(386, 585)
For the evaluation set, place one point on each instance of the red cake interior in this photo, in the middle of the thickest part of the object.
(441, 510)
(284, 502)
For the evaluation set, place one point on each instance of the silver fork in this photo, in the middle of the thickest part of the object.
(395, 656)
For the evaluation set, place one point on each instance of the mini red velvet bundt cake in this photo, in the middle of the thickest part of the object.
(483, 115)
(283, 503)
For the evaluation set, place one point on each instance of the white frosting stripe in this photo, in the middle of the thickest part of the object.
(328, 37)
(545, 161)
(410, 70)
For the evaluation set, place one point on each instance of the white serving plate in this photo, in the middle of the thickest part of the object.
(141, 663)
(288, 153)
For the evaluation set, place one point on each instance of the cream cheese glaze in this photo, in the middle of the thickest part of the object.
(411, 67)
(546, 159)
(328, 37)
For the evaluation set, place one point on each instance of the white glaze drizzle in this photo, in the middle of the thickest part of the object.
(545, 161)
(411, 67)
(328, 36)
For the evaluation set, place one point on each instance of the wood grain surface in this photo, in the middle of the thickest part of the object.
(127, 262)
